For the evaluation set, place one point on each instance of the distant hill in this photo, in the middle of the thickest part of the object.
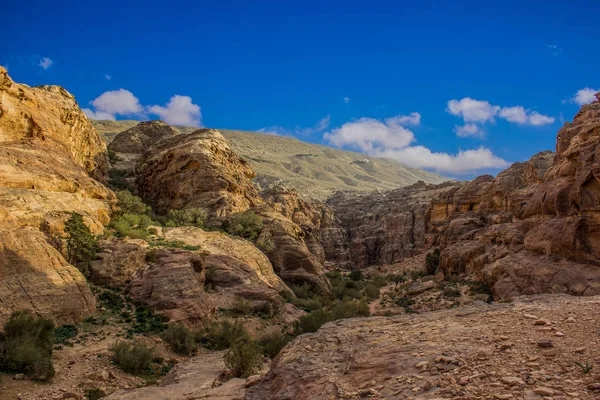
(315, 171)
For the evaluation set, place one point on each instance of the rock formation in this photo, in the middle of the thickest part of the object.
(49, 156)
(198, 170)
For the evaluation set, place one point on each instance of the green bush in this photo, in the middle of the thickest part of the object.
(180, 339)
(356, 275)
(111, 301)
(451, 291)
(272, 345)
(187, 217)
(134, 226)
(312, 322)
(146, 322)
(133, 358)
(265, 243)
(247, 225)
(151, 255)
(26, 345)
(94, 394)
(244, 358)
(432, 262)
(242, 306)
(118, 179)
(304, 291)
(221, 335)
(82, 245)
(372, 291)
(350, 309)
(63, 334)
(127, 203)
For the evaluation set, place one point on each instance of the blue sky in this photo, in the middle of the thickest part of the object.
(346, 74)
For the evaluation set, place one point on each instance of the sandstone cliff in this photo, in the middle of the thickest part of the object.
(49, 156)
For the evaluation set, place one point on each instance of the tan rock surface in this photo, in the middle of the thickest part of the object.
(446, 354)
(197, 170)
(117, 261)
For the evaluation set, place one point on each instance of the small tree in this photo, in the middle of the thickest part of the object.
(432, 262)
(82, 245)
(244, 358)
(247, 225)
(130, 204)
(180, 339)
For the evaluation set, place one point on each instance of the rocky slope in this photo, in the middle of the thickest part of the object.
(49, 156)
(315, 171)
(532, 229)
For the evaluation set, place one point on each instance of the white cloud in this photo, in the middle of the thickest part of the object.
(121, 102)
(469, 130)
(346, 100)
(274, 130)
(472, 110)
(585, 96)
(521, 116)
(45, 63)
(179, 111)
(107, 77)
(91, 114)
(323, 123)
(390, 139)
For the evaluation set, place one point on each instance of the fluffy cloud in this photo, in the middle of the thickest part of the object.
(121, 102)
(346, 100)
(473, 110)
(480, 111)
(389, 138)
(179, 111)
(45, 63)
(519, 115)
(469, 130)
(585, 96)
(320, 126)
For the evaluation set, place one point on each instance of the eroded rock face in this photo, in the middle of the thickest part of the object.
(35, 276)
(49, 156)
(118, 261)
(174, 281)
(197, 170)
(532, 229)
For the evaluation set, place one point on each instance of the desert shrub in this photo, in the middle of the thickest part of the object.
(380, 281)
(350, 309)
(247, 225)
(477, 287)
(146, 322)
(451, 291)
(312, 322)
(356, 275)
(396, 278)
(221, 335)
(304, 291)
(112, 156)
(111, 301)
(151, 256)
(82, 245)
(118, 179)
(94, 393)
(405, 303)
(188, 217)
(134, 226)
(63, 334)
(266, 309)
(180, 339)
(265, 243)
(272, 345)
(244, 358)
(133, 358)
(371, 291)
(26, 345)
(128, 203)
(432, 262)
(242, 306)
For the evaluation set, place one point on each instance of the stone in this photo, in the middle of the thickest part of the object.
(543, 391)
(545, 343)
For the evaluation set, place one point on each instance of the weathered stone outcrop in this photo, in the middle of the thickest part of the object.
(49, 156)
(532, 229)
(35, 276)
(174, 281)
(197, 170)
(117, 261)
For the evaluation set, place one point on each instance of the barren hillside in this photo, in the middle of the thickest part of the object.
(313, 170)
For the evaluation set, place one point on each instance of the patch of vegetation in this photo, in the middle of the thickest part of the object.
(405, 303)
(432, 262)
(188, 217)
(128, 203)
(477, 287)
(134, 226)
(146, 322)
(312, 322)
(244, 358)
(26, 346)
(180, 339)
(221, 335)
(64, 334)
(356, 275)
(133, 358)
(82, 245)
(585, 368)
(118, 179)
(94, 394)
(272, 345)
(172, 244)
(247, 225)
(111, 301)
(451, 291)
(265, 243)
(151, 255)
